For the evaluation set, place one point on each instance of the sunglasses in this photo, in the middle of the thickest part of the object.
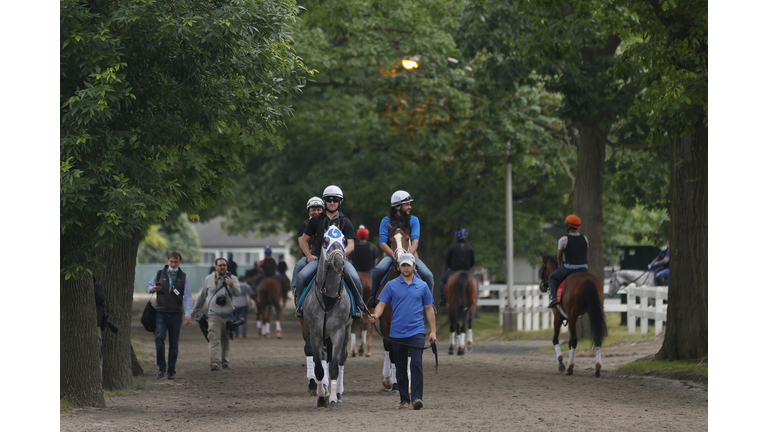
(332, 199)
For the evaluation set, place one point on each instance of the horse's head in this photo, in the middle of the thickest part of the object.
(615, 285)
(549, 265)
(332, 261)
(399, 239)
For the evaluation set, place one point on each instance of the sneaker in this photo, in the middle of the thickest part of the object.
(171, 375)
(160, 374)
(417, 404)
(403, 405)
(215, 367)
(226, 366)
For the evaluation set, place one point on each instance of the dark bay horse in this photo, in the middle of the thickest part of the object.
(582, 293)
(400, 242)
(285, 288)
(269, 298)
(361, 327)
(327, 307)
(461, 295)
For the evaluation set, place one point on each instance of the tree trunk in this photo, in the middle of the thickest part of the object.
(588, 193)
(135, 365)
(79, 372)
(118, 266)
(686, 334)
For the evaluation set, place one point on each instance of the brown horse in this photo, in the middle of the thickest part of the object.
(285, 288)
(461, 295)
(582, 293)
(400, 242)
(362, 328)
(269, 297)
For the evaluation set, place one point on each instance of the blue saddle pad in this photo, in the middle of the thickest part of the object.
(306, 290)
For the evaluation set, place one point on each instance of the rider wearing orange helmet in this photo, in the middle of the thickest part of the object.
(574, 246)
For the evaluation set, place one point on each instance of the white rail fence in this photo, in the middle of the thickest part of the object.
(529, 305)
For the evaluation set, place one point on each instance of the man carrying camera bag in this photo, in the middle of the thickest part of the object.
(218, 293)
(174, 303)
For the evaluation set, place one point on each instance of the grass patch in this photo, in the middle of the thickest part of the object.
(118, 392)
(64, 405)
(694, 370)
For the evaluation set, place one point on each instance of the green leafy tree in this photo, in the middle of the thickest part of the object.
(179, 236)
(674, 50)
(160, 104)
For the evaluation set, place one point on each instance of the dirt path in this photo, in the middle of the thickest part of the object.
(499, 386)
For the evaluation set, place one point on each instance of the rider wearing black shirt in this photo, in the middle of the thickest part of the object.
(364, 255)
(461, 256)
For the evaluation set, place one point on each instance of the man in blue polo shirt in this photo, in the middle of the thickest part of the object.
(409, 297)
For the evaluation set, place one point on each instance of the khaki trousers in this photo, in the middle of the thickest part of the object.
(218, 340)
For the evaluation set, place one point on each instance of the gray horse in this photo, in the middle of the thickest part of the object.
(621, 278)
(327, 315)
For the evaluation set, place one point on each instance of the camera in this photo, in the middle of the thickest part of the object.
(232, 325)
(106, 320)
(221, 300)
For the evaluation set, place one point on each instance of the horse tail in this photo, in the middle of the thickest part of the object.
(460, 294)
(595, 311)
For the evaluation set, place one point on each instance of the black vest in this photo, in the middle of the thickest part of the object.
(576, 250)
(317, 241)
(167, 300)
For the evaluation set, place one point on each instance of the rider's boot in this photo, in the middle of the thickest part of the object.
(552, 298)
(299, 312)
(442, 300)
(371, 303)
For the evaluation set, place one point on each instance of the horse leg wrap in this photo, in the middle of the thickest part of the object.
(325, 372)
(572, 357)
(277, 326)
(340, 381)
(598, 359)
(452, 340)
(267, 326)
(393, 373)
(311, 369)
(409, 369)
(386, 372)
(333, 392)
(558, 351)
(365, 337)
(469, 337)
(352, 342)
(258, 324)
(461, 340)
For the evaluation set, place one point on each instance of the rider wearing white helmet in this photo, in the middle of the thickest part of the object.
(315, 206)
(399, 211)
(310, 245)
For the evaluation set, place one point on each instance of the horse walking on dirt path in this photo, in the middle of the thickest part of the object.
(269, 298)
(327, 306)
(582, 293)
(461, 295)
(362, 328)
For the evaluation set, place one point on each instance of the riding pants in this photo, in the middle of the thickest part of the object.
(558, 276)
(447, 274)
(350, 273)
(662, 277)
(300, 264)
(383, 267)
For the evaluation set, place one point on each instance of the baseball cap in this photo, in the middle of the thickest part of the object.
(406, 258)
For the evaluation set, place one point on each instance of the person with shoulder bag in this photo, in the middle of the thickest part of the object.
(219, 292)
(174, 305)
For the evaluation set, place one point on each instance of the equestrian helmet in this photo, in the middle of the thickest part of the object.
(314, 202)
(268, 251)
(573, 221)
(333, 191)
(362, 232)
(400, 197)
(461, 234)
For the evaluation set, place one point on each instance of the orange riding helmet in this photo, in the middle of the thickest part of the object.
(573, 221)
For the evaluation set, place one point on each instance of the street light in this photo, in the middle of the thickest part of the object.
(411, 62)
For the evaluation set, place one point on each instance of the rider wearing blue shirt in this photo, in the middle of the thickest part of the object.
(399, 211)
(660, 266)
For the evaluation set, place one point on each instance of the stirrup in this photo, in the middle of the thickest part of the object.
(553, 303)
(299, 312)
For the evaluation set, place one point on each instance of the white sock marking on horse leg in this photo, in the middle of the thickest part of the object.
(452, 340)
(393, 371)
(572, 357)
(365, 337)
(469, 336)
(333, 391)
(258, 324)
(409, 368)
(386, 370)
(598, 358)
(311, 369)
(267, 326)
(558, 351)
(340, 381)
(326, 374)
(352, 341)
(277, 326)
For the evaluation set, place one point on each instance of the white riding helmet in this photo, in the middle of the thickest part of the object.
(400, 197)
(314, 202)
(333, 191)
